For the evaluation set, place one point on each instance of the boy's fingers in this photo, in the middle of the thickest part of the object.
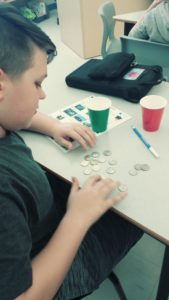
(65, 143)
(92, 180)
(119, 197)
(75, 185)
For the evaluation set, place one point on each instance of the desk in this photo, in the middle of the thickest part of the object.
(142, 206)
(148, 192)
(147, 205)
(129, 19)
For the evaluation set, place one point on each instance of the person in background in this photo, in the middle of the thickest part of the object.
(154, 25)
(57, 241)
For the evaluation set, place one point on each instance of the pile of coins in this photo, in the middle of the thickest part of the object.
(139, 167)
(95, 160)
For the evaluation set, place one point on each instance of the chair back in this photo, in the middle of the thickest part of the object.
(110, 43)
(147, 52)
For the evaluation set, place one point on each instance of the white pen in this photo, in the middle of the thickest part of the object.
(149, 146)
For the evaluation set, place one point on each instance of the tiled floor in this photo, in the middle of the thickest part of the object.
(139, 270)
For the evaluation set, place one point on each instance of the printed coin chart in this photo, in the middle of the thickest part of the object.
(78, 112)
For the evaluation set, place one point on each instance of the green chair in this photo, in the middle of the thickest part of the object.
(110, 43)
(147, 52)
(114, 279)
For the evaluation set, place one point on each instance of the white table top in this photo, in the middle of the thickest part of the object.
(132, 17)
(147, 203)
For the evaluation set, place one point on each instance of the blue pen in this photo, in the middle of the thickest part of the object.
(150, 148)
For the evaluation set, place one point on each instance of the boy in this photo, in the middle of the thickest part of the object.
(50, 248)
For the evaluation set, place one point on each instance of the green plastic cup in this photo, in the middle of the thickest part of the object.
(98, 108)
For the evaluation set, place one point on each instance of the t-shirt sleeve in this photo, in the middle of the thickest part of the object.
(15, 246)
(139, 30)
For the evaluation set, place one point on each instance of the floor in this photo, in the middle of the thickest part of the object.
(138, 273)
(139, 270)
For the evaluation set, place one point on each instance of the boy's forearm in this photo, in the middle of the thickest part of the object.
(51, 265)
(43, 123)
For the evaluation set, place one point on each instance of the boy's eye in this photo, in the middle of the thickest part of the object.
(38, 84)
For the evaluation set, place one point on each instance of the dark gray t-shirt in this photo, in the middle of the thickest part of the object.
(27, 215)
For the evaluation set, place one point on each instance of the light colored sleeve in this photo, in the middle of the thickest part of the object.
(139, 30)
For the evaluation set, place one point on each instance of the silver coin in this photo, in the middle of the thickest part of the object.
(122, 188)
(110, 170)
(84, 163)
(95, 154)
(101, 159)
(137, 167)
(87, 157)
(94, 162)
(133, 172)
(95, 167)
(107, 152)
(112, 162)
(87, 171)
(145, 167)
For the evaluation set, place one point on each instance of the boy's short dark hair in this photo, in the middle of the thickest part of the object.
(17, 40)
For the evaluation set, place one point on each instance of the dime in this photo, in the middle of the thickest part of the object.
(133, 172)
(87, 157)
(137, 167)
(145, 167)
(84, 163)
(95, 167)
(95, 154)
(101, 159)
(122, 188)
(87, 171)
(110, 170)
(107, 152)
(112, 162)
(94, 162)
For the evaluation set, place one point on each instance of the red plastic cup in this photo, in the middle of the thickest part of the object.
(152, 110)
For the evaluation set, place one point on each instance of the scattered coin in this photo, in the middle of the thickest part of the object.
(107, 152)
(133, 172)
(145, 167)
(84, 163)
(110, 170)
(95, 154)
(94, 162)
(137, 167)
(95, 167)
(122, 188)
(112, 162)
(87, 157)
(101, 159)
(87, 171)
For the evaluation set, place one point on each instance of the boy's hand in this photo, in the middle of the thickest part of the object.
(90, 202)
(75, 131)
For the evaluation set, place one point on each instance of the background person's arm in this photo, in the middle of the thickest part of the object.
(154, 4)
(139, 29)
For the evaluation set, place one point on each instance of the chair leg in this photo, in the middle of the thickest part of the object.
(114, 279)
